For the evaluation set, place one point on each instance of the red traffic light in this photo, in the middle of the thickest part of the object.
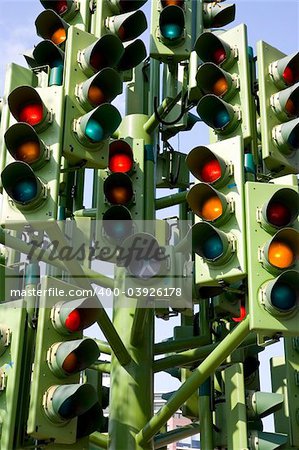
(31, 113)
(73, 320)
(120, 157)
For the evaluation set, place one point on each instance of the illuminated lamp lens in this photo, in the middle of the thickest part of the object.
(288, 76)
(211, 171)
(122, 33)
(212, 208)
(119, 195)
(73, 321)
(221, 118)
(280, 255)
(290, 107)
(171, 31)
(294, 139)
(119, 229)
(28, 152)
(278, 214)
(219, 55)
(61, 7)
(59, 36)
(25, 190)
(220, 87)
(241, 316)
(120, 163)
(283, 296)
(94, 131)
(213, 247)
(32, 113)
(71, 363)
(179, 3)
(96, 96)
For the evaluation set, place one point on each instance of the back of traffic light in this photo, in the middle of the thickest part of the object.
(31, 176)
(273, 249)
(278, 78)
(171, 30)
(57, 398)
(224, 82)
(218, 236)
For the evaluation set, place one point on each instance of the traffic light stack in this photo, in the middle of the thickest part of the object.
(58, 121)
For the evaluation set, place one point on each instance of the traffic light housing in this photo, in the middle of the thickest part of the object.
(58, 401)
(12, 329)
(171, 22)
(49, 25)
(91, 83)
(73, 12)
(33, 141)
(216, 15)
(121, 190)
(224, 82)
(278, 77)
(272, 249)
(217, 200)
(121, 18)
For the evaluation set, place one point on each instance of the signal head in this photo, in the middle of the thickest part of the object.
(211, 48)
(172, 24)
(120, 157)
(49, 25)
(281, 210)
(207, 167)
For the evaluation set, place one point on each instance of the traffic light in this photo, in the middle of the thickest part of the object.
(272, 247)
(121, 186)
(58, 401)
(224, 82)
(91, 83)
(278, 78)
(31, 176)
(217, 200)
(50, 58)
(49, 25)
(15, 76)
(73, 12)
(119, 17)
(171, 22)
(216, 15)
(12, 332)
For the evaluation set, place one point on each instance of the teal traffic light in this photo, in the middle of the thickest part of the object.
(223, 79)
(216, 15)
(273, 248)
(278, 78)
(33, 142)
(171, 30)
(91, 83)
(12, 332)
(57, 398)
(217, 200)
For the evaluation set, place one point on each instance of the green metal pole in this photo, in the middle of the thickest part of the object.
(176, 435)
(99, 439)
(192, 356)
(199, 375)
(205, 416)
(171, 200)
(180, 344)
(131, 386)
(102, 366)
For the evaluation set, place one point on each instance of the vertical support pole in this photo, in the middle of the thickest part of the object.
(236, 422)
(131, 398)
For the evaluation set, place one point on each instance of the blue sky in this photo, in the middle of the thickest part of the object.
(274, 21)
